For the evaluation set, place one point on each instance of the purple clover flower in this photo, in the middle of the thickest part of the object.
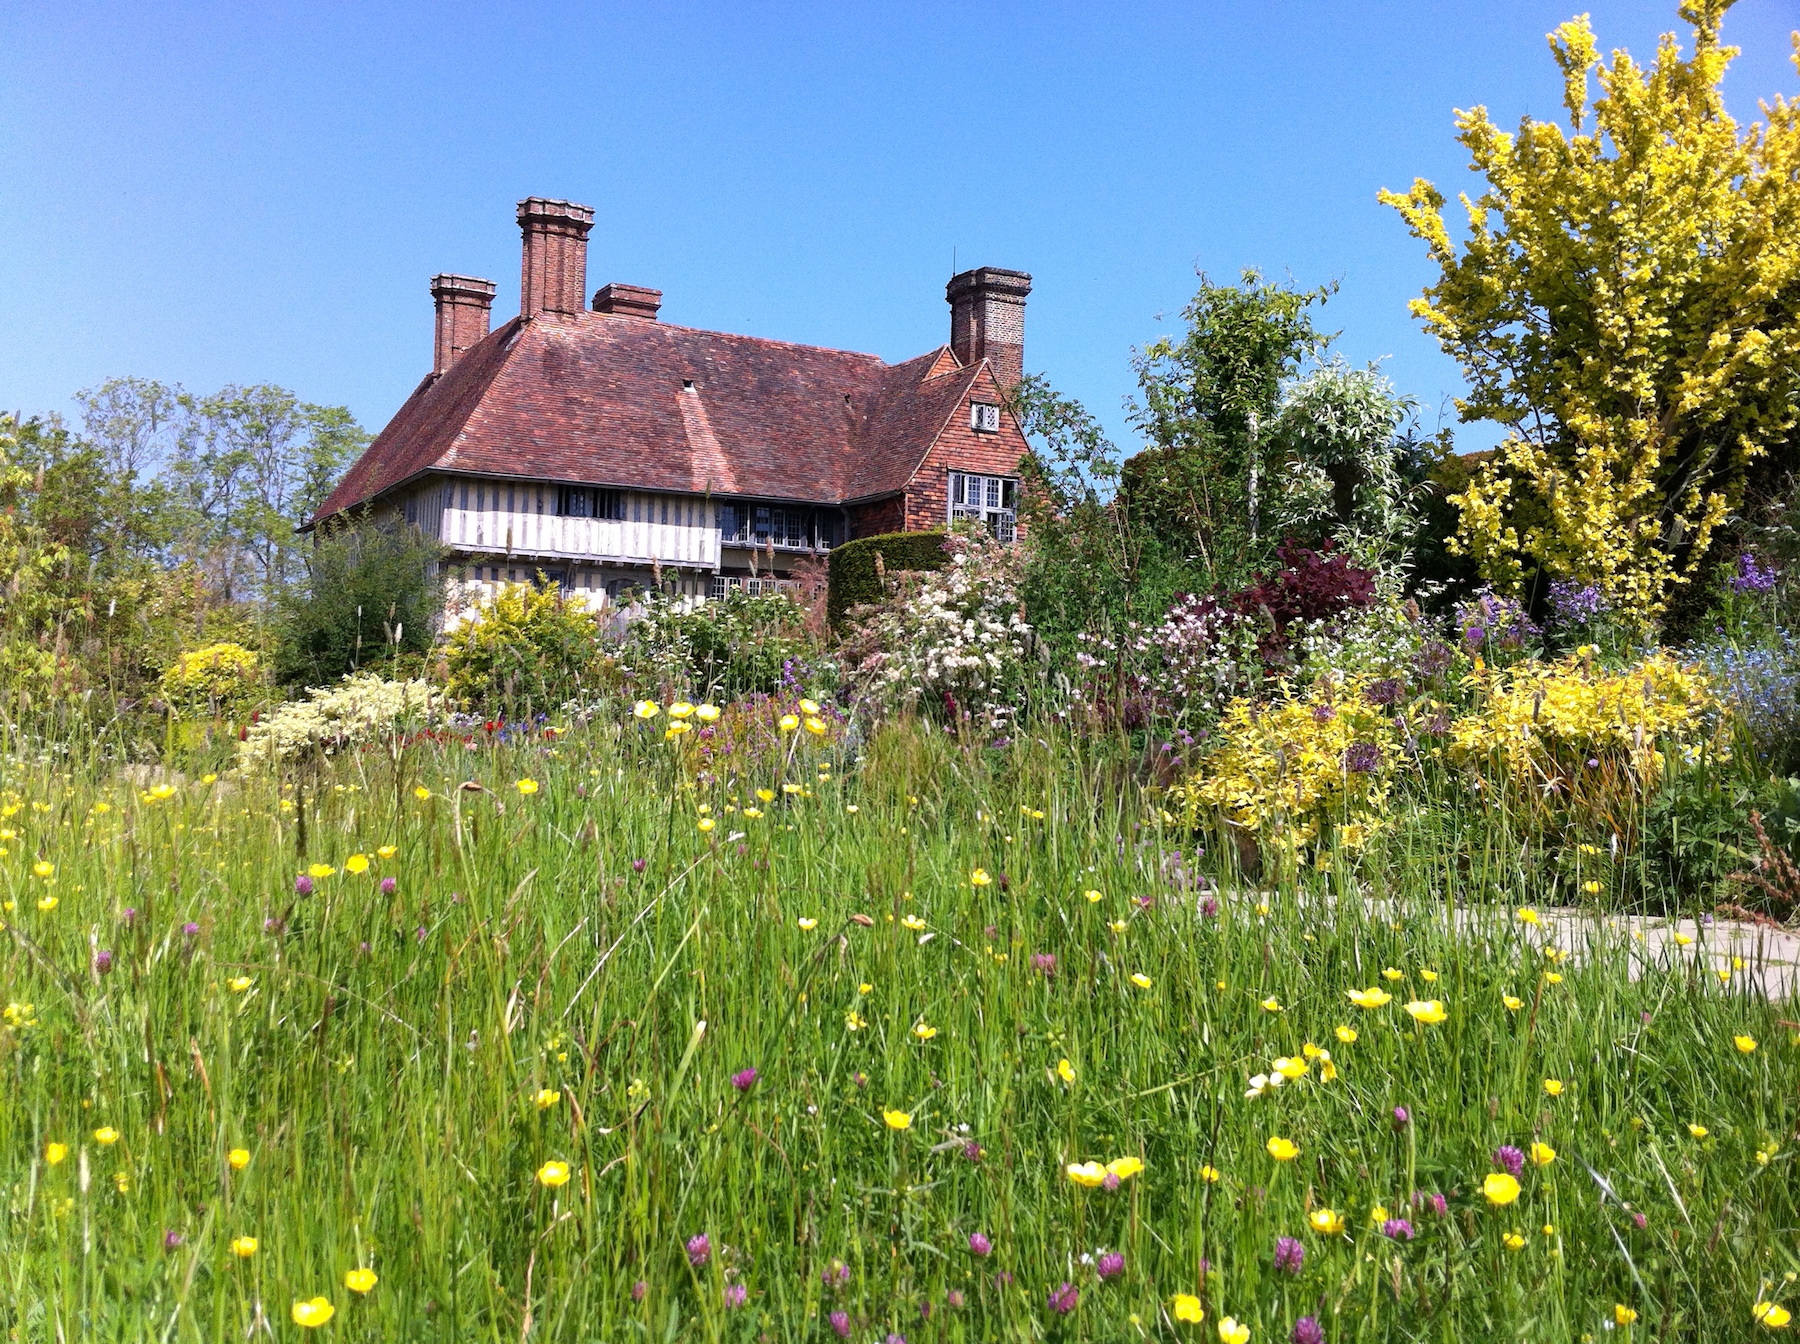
(1065, 1298)
(128, 916)
(1290, 1255)
(699, 1250)
(303, 885)
(1511, 1159)
(735, 1296)
(638, 1290)
(979, 1244)
(388, 886)
(172, 1239)
(1307, 1330)
(1045, 962)
(1402, 1117)
(972, 1151)
(840, 1323)
(1111, 1265)
(103, 961)
(954, 1299)
(744, 1079)
(1397, 1229)
(190, 929)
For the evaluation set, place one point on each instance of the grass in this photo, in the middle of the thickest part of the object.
(384, 1065)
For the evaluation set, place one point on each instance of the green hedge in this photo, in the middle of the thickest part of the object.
(853, 578)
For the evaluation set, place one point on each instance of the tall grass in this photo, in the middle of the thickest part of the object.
(385, 1064)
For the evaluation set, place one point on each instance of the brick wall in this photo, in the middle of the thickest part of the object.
(878, 517)
(960, 448)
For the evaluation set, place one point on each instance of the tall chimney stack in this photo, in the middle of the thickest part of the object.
(553, 270)
(987, 319)
(463, 307)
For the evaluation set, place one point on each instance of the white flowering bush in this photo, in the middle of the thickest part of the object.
(954, 641)
(358, 709)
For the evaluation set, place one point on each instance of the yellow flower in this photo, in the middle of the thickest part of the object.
(1271, 1004)
(320, 871)
(1125, 1167)
(1282, 1150)
(1513, 1241)
(421, 792)
(706, 824)
(388, 851)
(122, 1181)
(646, 709)
(1390, 975)
(1429, 1011)
(1141, 980)
(357, 863)
(42, 869)
(681, 709)
(1542, 1154)
(1683, 939)
(1065, 1070)
(979, 878)
(1773, 1316)
(1327, 1069)
(1623, 1314)
(209, 779)
(46, 903)
(1093, 897)
(708, 713)
(314, 1313)
(1528, 915)
(923, 1031)
(1373, 997)
(1118, 926)
(752, 813)
(767, 795)
(791, 788)
(1347, 1035)
(243, 1247)
(1378, 1214)
(1231, 1332)
(677, 729)
(1209, 1173)
(1549, 1229)
(816, 727)
(808, 924)
(239, 983)
(1187, 1308)
(1552, 978)
(853, 1021)
(897, 1119)
(106, 1136)
(1090, 1174)
(865, 988)
(1591, 888)
(1500, 1188)
(239, 1158)
(789, 722)
(553, 1174)
(1290, 1068)
(1698, 1131)
(809, 706)
(1745, 1044)
(1326, 1222)
(1429, 977)
(527, 787)
(360, 1280)
(912, 922)
(546, 1098)
(1553, 1087)
(55, 1152)
(1512, 1004)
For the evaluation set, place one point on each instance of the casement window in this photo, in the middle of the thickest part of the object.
(984, 417)
(992, 501)
(580, 501)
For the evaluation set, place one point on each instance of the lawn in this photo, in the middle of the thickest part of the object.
(556, 1038)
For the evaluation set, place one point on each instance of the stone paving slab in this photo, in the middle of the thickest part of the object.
(1757, 956)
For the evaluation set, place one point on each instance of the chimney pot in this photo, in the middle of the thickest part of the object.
(464, 305)
(987, 319)
(553, 268)
(627, 300)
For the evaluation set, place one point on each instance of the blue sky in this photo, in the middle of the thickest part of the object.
(249, 193)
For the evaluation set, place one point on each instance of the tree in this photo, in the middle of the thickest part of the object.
(1625, 305)
(1201, 486)
(372, 592)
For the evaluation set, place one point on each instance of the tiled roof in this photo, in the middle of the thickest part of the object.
(599, 399)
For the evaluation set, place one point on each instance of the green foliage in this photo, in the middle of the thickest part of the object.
(717, 650)
(527, 650)
(219, 680)
(854, 579)
(372, 594)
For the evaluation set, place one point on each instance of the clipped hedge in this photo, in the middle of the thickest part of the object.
(853, 580)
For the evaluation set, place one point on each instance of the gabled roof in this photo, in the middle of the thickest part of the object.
(609, 400)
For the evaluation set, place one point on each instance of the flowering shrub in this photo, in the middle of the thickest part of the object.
(356, 710)
(955, 639)
(1282, 771)
(1310, 587)
(217, 678)
(737, 645)
(1761, 686)
(526, 646)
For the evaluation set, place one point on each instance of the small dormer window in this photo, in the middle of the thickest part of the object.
(984, 417)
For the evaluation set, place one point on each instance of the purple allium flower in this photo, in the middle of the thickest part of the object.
(303, 885)
(699, 1250)
(1397, 1229)
(1307, 1330)
(1402, 1117)
(1473, 636)
(1065, 1299)
(103, 960)
(735, 1296)
(1290, 1255)
(979, 1244)
(638, 1290)
(954, 1299)
(1323, 713)
(1044, 961)
(744, 1079)
(1361, 758)
(388, 886)
(1388, 691)
(972, 1151)
(1110, 1266)
(1511, 1159)
(172, 1239)
(637, 865)
(840, 1322)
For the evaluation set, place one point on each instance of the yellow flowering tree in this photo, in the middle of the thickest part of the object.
(1624, 306)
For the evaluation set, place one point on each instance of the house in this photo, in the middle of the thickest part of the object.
(604, 449)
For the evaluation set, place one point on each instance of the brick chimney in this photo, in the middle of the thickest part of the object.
(553, 270)
(463, 306)
(627, 300)
(987, 319)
